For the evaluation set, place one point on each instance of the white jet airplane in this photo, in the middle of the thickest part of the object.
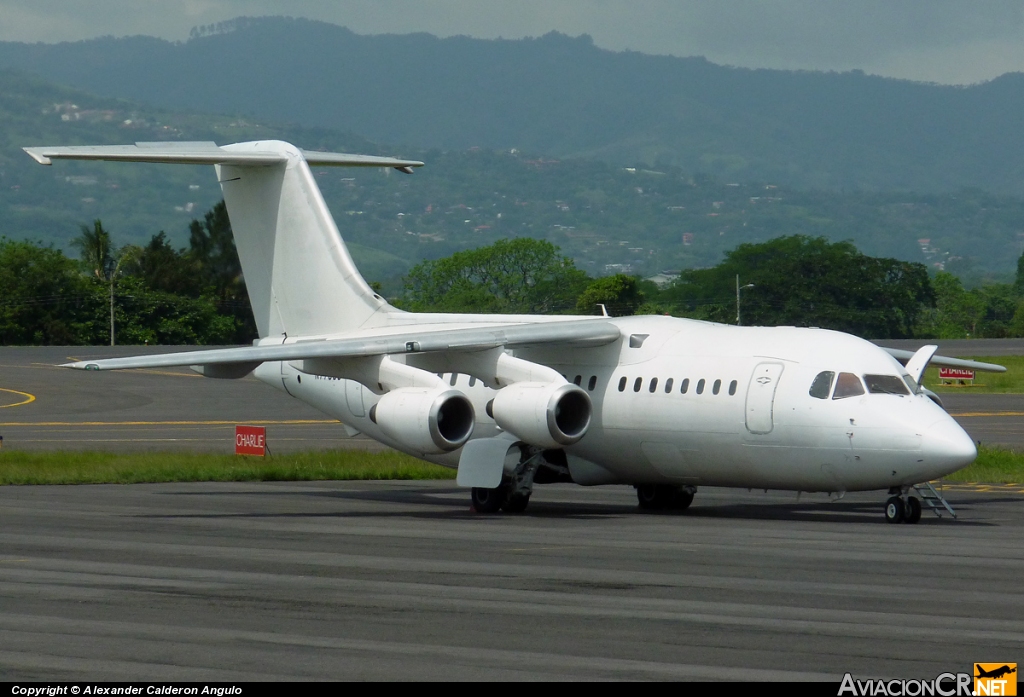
(659, 403)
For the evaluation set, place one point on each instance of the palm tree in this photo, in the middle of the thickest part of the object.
(94, 246)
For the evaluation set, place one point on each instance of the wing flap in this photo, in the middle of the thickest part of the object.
(574, 333)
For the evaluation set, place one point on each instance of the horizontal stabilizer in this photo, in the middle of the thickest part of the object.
(569, 333)
(904, 356)
(207, 153)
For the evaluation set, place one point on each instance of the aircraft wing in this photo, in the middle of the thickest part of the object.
(903, 356)
(571, 333)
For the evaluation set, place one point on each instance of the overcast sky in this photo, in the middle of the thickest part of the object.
(948, 41)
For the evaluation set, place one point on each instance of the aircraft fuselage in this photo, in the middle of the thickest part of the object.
(685, 402)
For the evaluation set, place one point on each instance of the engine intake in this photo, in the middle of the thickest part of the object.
(427, 420)
(544, 414)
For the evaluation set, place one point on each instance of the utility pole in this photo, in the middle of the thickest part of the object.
(128, 253)
(738, 289)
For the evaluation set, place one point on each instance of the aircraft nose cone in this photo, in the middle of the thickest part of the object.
(947, 447)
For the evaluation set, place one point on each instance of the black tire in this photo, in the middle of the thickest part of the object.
(516, 503)
(682, 499)
(895, 511)
(488, 500)
(913, 513)
(654, 497)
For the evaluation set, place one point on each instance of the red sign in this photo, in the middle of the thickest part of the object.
(250, 440)
(955, 374)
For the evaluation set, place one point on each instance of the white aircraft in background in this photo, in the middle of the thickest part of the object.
(660, 403)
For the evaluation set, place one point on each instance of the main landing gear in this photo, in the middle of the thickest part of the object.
(500, 499)
(903, 509)
(656, 497)
(513, 494)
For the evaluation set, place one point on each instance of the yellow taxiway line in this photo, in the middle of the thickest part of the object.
(29, 398)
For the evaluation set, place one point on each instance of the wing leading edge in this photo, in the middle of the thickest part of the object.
(572, 333)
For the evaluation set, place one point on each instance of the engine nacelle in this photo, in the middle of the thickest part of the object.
(549, 415)
(427, 420)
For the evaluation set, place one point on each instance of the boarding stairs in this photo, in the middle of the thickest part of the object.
(933, 499)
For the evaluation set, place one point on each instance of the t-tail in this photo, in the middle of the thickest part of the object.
(300, 277)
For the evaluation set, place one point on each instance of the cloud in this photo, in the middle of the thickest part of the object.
(939, 40)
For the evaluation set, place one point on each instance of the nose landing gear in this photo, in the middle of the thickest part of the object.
(903, 509)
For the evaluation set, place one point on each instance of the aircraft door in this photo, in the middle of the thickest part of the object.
(354, 397)
(761, 397)
(285, 377)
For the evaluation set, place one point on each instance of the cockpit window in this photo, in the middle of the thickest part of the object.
(885, 384)
(822, 384)
(848, 385)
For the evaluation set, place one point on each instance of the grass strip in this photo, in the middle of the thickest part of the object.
(69, 467)
(994, 465)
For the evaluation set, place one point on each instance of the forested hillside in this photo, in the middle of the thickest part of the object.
(563, 97)
(608, 218)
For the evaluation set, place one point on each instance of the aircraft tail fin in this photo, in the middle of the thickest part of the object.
(300, 277)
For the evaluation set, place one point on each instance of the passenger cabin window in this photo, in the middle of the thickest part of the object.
(822, 384)
(622, 384)
(577, 380)
(472, 380)
(885, 384)
(455, 379)
(684, 386)
(717, 387)
(637, 383)
(732, 388)
(668, 385)
(848, 385)
(593, 383)
(700, 386)
(654, 385)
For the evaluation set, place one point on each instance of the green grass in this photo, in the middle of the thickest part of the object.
(18, 467)
(1012, 381)
(993, 466)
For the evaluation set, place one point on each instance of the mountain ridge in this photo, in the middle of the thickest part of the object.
(564, 97)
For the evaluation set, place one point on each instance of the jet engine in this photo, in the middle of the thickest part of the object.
(428, 420)
(549, 415)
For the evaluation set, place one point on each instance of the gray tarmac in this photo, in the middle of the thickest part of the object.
(961, 348)
(43, 407)
(400, 581)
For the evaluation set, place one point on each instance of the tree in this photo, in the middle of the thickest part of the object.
(94, 246)
(105, 264)
(522, 275)
(620, 294)
(218, 270)
(806, 281)
(43, 297)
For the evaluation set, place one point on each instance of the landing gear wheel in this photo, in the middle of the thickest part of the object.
(488, 500)
(895, 511)
(682, 499)
(516, 503)
(654, 497)
(913, 512)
